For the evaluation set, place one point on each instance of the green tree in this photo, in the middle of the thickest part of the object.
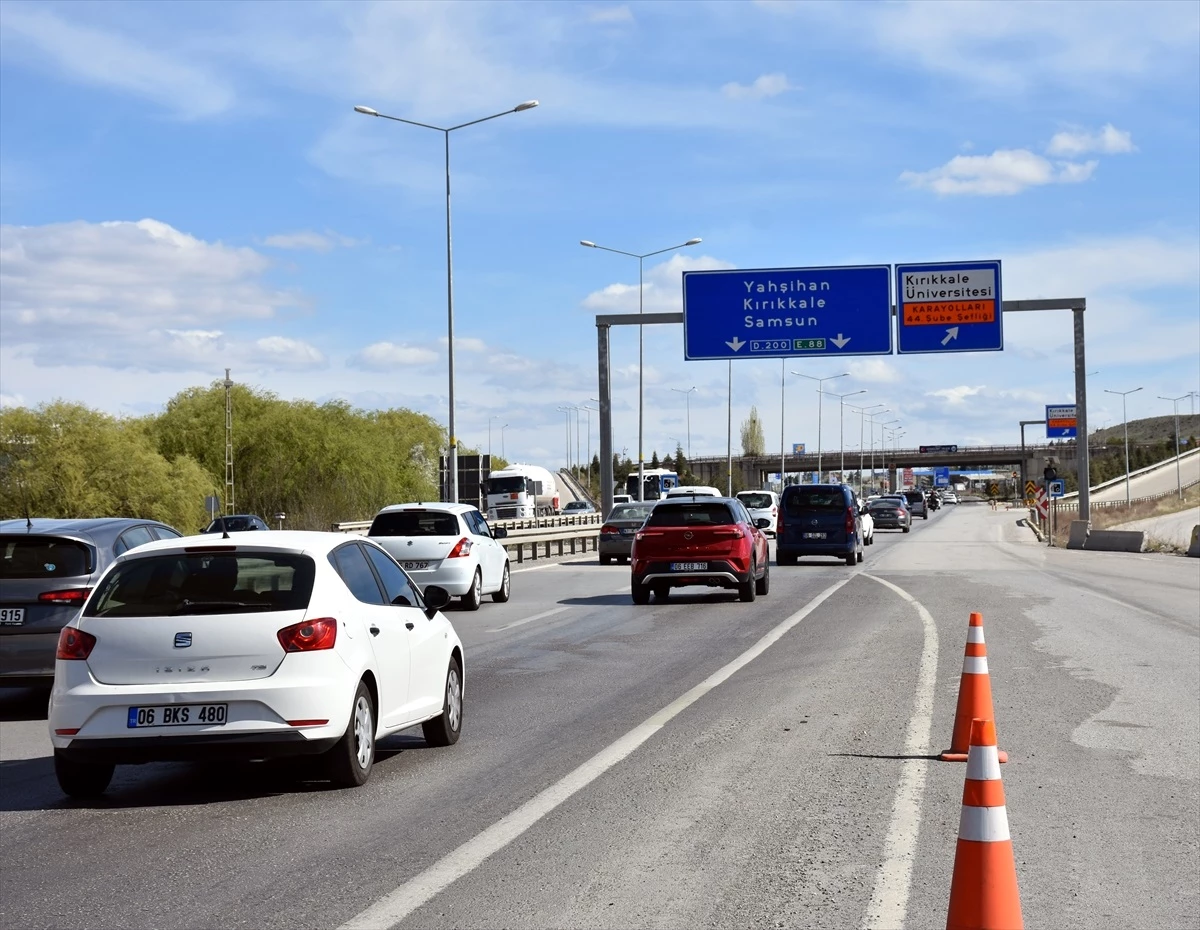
(753, 441)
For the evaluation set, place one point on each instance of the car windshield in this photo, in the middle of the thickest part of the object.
(631, 512)
(506, 485)
(802, 500)
(578, 505)
(690, 514)
(757, 501)
(414, 523)
(204, 583)
(42, 557)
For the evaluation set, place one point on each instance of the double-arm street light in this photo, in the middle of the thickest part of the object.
(641, 346)
(687, 398)
(862, 414)
(842, 427)
(452, 463)
(890, 424)
(1175, 405)
(502, 429)
(1125, 422)
(820, 407)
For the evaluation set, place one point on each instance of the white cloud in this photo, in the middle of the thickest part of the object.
(1005, 171)
(765, 85)
(133, 295)
(1108, 141)
(465, 344)
(384, 356)
(955, 396)
(310, 241)
(662, 287)
(610, 14)
(874, 371)
(11, 400)
(289, 353)
(66, 48)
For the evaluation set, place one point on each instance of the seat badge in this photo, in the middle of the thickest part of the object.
(183, 640)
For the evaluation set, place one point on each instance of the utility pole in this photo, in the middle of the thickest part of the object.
(228, 444)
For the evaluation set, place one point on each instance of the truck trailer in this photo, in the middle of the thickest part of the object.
(518, 492)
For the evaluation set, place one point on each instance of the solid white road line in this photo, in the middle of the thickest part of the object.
(889, 899)
(541, 616)
(395, 906)
(535, 568)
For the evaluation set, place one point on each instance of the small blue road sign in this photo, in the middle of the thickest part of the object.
(949, 307)
(1058, 487)
(941, 476)
(787, 312)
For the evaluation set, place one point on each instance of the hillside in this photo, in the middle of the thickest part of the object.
(1152, 429)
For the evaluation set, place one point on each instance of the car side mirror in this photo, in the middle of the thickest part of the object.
(763, 523)
(500, 532)
(436, 597)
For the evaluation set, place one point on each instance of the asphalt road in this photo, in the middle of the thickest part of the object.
(1161, 480)
(694, 763)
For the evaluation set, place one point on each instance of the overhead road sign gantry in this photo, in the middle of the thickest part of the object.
(787, 312)
(949, 307)
(1062, 421)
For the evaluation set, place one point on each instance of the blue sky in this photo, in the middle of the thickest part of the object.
(185, 187)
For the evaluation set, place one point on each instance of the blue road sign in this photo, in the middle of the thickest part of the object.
(949, 307)
(1062, 421)
(941, 477)
(797, 448)
(1058, 488)
(787, 312)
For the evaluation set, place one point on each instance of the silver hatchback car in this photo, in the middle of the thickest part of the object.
(47, 570)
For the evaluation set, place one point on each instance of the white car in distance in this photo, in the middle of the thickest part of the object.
(251, 646)
(448, 545)
(762, 505)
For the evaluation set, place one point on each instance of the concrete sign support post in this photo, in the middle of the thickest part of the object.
(729, 433)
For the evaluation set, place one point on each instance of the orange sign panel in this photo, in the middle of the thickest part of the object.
(949, 312)
(1062, 424)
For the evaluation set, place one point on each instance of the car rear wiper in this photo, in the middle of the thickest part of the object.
(202, 607)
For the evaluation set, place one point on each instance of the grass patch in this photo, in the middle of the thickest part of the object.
(1105, 518)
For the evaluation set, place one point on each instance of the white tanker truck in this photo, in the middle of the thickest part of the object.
(518, 492)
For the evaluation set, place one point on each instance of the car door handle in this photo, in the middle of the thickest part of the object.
(409, 626)
(374, 630)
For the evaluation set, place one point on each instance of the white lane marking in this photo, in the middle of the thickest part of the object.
(889, 899)
(541, 616)
(398, 904)
(535, 568)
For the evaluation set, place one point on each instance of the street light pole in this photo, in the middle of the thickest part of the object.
(502, 429)
(452, 458)
(820, 408)
(1175, 406)
(842, 427)
(862, 413)
(1125, 420)
(687, 400)
(588, 413)
(641, 347)
(883, 447)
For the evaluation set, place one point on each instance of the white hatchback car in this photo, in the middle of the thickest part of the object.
(448, 545)
(251, 645)
(762, 505)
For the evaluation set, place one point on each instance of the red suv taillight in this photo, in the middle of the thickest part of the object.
(849, 522)
(309, 635)
(609, 530)
(74, 644)
(75, 596)
(461, 548)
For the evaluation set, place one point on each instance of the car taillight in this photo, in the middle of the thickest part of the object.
(74, 644)
(309, 635)
(74, 596)
(849, 521)
(609, 530)
(461, 548)
(728, 531)
(779, 523)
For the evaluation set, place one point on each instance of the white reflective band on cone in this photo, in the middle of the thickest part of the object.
(984, 824)
(974, 634)
(983, 763)
(975, 665)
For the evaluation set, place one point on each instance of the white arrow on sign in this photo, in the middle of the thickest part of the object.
(840, 342)
(735, 343)
(951, 333)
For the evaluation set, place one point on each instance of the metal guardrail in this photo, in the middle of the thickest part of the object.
(1066, 505)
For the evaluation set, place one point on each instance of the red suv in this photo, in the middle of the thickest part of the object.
(708, 541)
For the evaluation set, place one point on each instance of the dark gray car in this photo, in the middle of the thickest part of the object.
(47, 570)
(616, 535)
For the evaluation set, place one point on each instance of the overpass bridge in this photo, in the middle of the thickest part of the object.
(1027, 461)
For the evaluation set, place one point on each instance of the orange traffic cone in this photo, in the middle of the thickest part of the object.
(974, 694)
(983, 891)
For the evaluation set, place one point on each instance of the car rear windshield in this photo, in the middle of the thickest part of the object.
(804, 500)
(414, 523)
(914, 497)
(690, 514)
(204, 583)
(631, 512)
(756, 501)
(884, 505)
(232, 524)
(32, 557)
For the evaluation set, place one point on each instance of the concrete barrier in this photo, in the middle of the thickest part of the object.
(1194, 546)
(1115, 540)
(1080, 530)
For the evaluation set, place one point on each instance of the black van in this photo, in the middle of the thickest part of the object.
(818, 519)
